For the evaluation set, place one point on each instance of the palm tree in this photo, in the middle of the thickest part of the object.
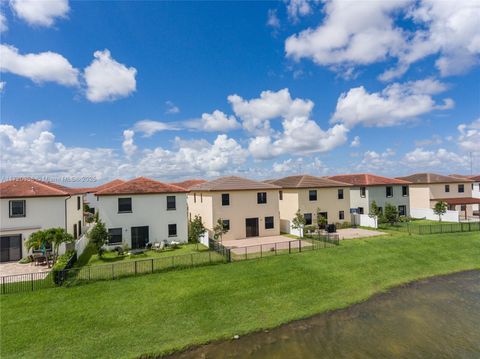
(57, 236)
(38, 240)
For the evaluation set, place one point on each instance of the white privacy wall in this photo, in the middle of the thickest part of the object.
(364, 220)
(427, 213)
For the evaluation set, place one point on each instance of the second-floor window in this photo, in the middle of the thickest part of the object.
(389, 191)
(447, 188)
(78, 202)
(404, 191)
(125, 205)
(363, 192)
(340, 194)
(225, 199)
(461, 188)
(17, 208)
(261, 197)
(280, 194)
(171, 203)
(312, 195)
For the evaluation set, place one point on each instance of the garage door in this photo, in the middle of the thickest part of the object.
(10, 248)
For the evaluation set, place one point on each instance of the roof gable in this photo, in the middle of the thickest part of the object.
(307, 181)
(141, 185)
(232, 183)
(426, 178)
(29, 187)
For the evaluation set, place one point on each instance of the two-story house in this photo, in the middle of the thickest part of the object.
(475, 190)
(29, 205)
(247, 208)
(144, 210)
(89, 197)
(313, 196)
(367, 188)
(429, 188)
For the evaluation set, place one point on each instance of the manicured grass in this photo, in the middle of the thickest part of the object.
(112, 257)
(162, 312)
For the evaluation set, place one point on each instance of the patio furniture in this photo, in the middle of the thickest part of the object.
(159, 246)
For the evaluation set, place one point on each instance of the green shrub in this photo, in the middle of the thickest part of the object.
(310, 228)
(63, 260)
(25, 260)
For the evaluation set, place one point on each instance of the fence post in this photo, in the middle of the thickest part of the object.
(261, 251)
(191, 255)
(229, 252)
(135, 267)
(245, 252)
(299, 245)
(31, 276)
(209, 257)
(289, 247)
(152, 264)
(113, 272)
(3, 285)
(89, 277)
(275, 248)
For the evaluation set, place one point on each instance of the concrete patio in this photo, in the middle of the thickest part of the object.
(15, 268)
(352, 233)
(264, 244)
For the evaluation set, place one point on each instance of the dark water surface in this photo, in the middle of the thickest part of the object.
(435, 318)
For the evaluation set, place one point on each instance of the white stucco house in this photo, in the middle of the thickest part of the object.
(29, 205)
(142, 211)
(89, 197)
(367, 187)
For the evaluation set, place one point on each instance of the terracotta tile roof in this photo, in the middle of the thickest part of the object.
(140, 185)
(307, 181)
(426, 178)
(101, 187)
(189, 183)
(367, 179)
(459, 200)
(232, 183)
(475, 178)
(29, 187)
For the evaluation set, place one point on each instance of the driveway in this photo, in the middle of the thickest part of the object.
(352, 233)
(14, 268)
(263, 244)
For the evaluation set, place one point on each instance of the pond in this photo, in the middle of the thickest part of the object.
(432, 318)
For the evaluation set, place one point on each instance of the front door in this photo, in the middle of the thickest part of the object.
(251, 227)
(10, 248)
(139, 237)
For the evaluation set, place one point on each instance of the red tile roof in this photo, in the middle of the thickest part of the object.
(141, 185)
(29, 187)
(101, 187)
(189, 183)
(458, 200)
(367, 179)
(232, 183)
(307, 181)
(426, 178)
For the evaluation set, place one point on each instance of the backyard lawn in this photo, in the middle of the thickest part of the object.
(162, 312)
(113, 257)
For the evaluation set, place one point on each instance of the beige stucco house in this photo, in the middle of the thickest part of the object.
(247, 208)
(29, 205)
(426, 189)
(313, 196)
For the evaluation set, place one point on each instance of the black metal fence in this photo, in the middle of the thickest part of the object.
(413, 228)
(26, 282)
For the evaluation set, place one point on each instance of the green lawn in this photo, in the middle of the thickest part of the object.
(166, 311)
(112, 257)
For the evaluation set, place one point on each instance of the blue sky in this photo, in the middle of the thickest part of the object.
(176, 90)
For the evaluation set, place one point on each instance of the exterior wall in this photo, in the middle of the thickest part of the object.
(378, 194)
(419, 197)
(437, 190)
(476, 194)
(41, 213)
(91, 200)
(327, 201)
(243, 205)
(147, 210)
(288, 206)
(74, 215)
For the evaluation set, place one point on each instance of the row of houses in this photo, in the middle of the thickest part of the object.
(144, 210)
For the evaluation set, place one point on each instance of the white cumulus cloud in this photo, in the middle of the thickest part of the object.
(469, 138)
(3, 23)
(128, 144)
(42, 67)
(40, 12)
(107, 79)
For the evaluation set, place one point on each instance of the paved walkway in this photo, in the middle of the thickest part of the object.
(352, 233)
(13, 268)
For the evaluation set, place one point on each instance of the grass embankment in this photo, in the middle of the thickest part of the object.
(162, 312)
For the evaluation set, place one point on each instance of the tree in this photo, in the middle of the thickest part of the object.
(299, 222)
(391, 213)
(374, 212)
(98, 235)
(220, 229)
(440, 209)
(38, 240)
(52, 236)
(196, 229)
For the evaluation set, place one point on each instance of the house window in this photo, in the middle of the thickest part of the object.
(404, 191)
(17, 208)
(201, 197)
(389, 191)
(340, 194)
(75, 236)
(172, 230)
(363, 192)
(124, 205)
(194, 198)
(114, 235)
(79, 228)
(78, 202)
(171, 203)
(226, 224)
(380, 210)
(269, 224)
(447, 188)
(225, 199)
(341, 215)
(280, 193)
(312, 195)
(461, 188)
(308, 218)
(360, 210)
(261, 197)
(402, 210)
